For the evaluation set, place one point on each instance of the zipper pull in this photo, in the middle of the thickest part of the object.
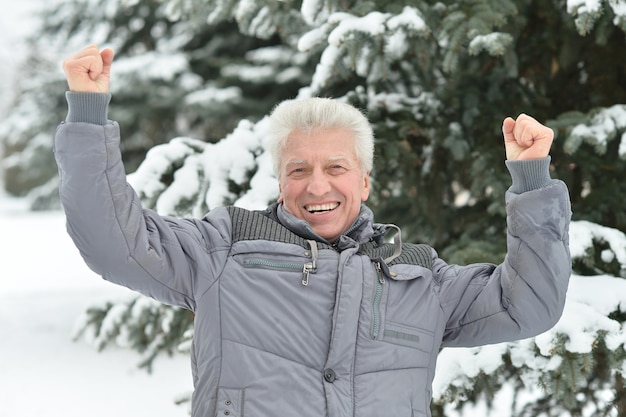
(381, 275)
(306, 271)
(310, 267)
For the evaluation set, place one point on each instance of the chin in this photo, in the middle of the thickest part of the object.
(328, 236)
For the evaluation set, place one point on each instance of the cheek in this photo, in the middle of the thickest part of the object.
(287, 194)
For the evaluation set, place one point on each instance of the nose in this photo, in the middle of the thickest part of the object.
(318, 184)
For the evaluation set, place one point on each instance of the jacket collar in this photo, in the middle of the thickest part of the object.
(361, 230)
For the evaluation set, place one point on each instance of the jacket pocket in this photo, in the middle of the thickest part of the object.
(408, 336)
(230, 402)
(305, 268)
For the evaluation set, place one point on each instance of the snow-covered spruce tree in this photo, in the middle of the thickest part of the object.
(201, 80)
(436, 79)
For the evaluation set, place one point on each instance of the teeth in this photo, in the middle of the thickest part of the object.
(321, 207)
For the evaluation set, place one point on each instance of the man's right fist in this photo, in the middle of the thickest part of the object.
(89, 71)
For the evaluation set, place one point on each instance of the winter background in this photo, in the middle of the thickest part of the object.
(44, 288)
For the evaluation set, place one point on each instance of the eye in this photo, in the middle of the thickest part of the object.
(297, 172)
(336, 169)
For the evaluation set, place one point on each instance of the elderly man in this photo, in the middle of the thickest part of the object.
(303, 309)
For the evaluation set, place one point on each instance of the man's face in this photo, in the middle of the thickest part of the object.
(321, 180)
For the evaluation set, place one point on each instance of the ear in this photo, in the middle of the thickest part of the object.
(365, 193)
(280, 193)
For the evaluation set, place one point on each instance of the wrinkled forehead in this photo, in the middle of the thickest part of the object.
(319, 145)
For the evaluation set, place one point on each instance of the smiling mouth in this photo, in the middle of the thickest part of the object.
(321, 208)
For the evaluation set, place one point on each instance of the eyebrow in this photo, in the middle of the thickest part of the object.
(295, 162)
(339, 158)
(330, 159)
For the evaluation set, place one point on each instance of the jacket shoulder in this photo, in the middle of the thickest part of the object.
(415, 254)
(412, 253)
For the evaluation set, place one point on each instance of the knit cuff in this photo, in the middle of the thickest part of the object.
(529, 175)
(88, 107)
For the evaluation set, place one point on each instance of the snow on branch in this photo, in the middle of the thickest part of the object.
(188, 177)
(584, 233)
(150, 66)
(161, 161)
(313, 11)
(605, 125)
(364, 44)
(140, 323)
(587, 12)
(494, 44)
(585, 321)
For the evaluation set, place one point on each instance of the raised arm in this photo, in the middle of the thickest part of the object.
(169, 259)
(524, 295)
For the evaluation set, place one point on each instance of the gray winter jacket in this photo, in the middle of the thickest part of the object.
(287, 324)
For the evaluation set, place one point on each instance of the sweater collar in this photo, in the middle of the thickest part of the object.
(360, 231)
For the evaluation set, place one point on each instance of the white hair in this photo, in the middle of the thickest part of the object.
(319, 113)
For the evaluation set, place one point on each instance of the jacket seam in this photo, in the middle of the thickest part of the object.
(354, 356)
(218, 279)
(270, 353)
(404, 368)
(503, 310)
(460, 326)
(219, 275)
(121, 229)
(517, 275)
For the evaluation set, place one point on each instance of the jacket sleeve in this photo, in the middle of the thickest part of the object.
(169, 259)
(524, 296)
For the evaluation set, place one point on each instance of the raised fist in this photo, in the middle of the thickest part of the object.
(526, 138)
(89, 70)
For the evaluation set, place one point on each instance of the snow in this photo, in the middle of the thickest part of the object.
(587, 11)
(582, 234)
(207, 171)
(353, 40)
(409, 21)
(411, 18)
(151, 66)
(495, 43)
(589, 300)
(213, 94)
(42, 301)
(313, 11)
(158, 162)
(584, 6)
(44, 288)
(604, 127)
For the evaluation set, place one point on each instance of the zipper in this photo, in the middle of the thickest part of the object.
(307, 268)
(378, 295)
(310, 266)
